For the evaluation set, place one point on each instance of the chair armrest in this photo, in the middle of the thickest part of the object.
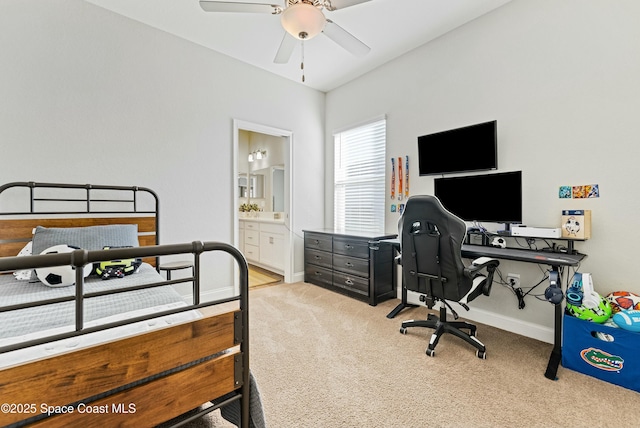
(481, 263)
(485, 261)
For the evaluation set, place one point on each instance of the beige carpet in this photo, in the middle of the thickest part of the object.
(325, 360)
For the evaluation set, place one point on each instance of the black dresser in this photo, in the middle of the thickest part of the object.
(353, 263)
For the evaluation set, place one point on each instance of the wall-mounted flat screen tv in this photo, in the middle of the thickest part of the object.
(493, 198)
(471, 148)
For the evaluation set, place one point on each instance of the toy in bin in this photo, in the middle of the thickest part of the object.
(628, 320)
(625, 307)
(584, 303)
(623, 300)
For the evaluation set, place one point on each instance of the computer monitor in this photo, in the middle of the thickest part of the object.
(493, 198)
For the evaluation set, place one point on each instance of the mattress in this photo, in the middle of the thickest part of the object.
(37, 322)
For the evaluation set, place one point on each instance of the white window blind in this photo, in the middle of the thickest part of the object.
(359, 178)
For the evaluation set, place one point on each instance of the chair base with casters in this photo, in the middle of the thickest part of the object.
(442, 326)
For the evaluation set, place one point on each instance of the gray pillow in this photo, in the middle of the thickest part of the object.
(88, 238)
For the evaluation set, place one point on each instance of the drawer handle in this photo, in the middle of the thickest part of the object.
(318, 273)
(348, 264)
(317, 257)
(348, 247)
(348, 282)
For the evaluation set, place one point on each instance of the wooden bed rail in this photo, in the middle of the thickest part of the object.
(109, 375)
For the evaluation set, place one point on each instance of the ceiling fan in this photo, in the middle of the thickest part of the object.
(302, 20)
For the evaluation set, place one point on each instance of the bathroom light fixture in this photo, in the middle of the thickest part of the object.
(257, 155)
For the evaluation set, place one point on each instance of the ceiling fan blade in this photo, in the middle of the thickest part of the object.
(286, 49)
(341, 4)
(227, 6)
(345, 39)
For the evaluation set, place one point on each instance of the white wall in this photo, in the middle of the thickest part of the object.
(89, 96)
(561, 78)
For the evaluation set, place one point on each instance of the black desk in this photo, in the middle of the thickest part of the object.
(554, 260)
(522, 255)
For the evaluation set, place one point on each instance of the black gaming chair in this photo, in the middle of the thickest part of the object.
(431, 241)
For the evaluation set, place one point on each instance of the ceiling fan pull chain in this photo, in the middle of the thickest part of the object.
(302, 62)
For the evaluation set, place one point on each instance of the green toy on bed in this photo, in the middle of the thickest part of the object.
(117, 268)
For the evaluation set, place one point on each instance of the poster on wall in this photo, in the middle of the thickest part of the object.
(585, 191)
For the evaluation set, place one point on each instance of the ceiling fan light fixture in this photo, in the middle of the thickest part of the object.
(303, 20)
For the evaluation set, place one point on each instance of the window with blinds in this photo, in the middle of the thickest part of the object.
(359, 178)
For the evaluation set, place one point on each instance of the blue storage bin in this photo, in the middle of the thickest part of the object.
(616, 361)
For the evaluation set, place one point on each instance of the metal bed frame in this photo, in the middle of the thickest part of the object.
(79, 258)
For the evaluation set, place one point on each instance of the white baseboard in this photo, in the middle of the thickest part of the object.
(298, 277)
(514, 325)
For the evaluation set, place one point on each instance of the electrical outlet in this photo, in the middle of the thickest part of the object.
(513, 279)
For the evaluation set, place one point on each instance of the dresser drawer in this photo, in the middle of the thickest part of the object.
(351, 247)
(351, 265)
(318, 258)
(351, 283)
(317, 241)
(318, 275)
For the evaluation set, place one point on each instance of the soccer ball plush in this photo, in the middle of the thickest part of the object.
(623, 300)
(60, 276)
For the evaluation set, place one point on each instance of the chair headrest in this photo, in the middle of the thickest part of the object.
(428, 208)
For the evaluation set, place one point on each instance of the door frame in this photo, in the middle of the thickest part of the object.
(238, 125)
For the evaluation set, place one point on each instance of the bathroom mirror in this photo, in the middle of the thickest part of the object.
(251, 186)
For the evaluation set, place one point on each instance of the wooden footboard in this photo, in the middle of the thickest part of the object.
(48, 388)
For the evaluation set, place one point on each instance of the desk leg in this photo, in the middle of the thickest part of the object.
(403, 304)
(556, 353)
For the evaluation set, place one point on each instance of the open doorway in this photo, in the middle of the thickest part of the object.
(262, 197)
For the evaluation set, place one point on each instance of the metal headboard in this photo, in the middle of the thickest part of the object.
(129, 204)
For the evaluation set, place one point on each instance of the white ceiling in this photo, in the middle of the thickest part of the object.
(389, 27)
